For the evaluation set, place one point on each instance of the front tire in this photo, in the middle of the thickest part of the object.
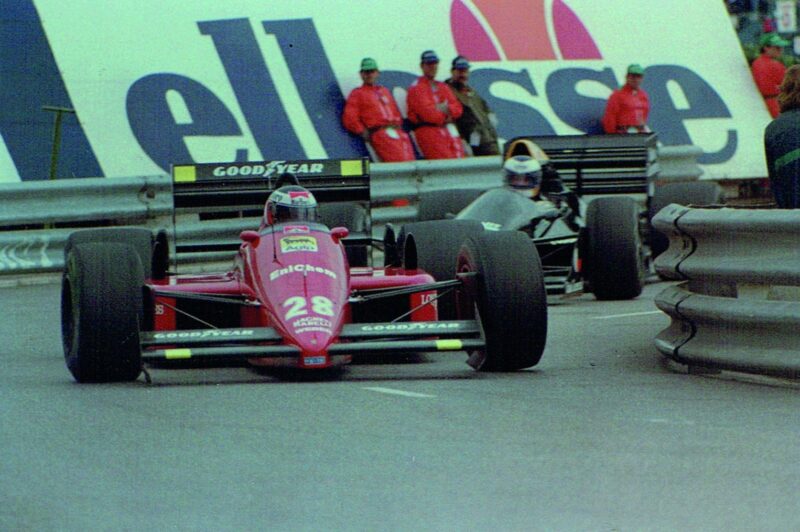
(101, 309)
(507, 296)
(141, 240)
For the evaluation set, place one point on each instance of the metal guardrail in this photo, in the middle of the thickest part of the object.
(36, 217)
(738, 307)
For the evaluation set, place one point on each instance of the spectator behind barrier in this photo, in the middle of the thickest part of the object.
(432, 109)
(768, 71)
(629, 106)
(372, 113)
(477, 123)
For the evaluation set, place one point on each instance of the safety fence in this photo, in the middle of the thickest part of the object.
(36, 217)
(738, 305)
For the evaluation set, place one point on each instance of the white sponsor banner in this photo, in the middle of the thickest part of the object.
(103, 50)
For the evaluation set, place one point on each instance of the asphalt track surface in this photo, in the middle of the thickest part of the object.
(600, 436)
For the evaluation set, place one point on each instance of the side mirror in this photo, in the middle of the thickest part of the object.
(338, 233)
(249, 236)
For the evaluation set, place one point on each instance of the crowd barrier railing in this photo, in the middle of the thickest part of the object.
(36, 217)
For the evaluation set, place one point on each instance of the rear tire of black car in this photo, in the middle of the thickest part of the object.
(354, 218)
(692, 193)
(438, 243)
(141, 240)
(507, 296)
(101, 309)
(614, 262)
(438, 204)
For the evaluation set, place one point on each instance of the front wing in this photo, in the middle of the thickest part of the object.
(355, 339)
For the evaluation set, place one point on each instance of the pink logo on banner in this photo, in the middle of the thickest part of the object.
(517, 30)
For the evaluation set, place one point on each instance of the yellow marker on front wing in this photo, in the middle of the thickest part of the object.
(174, 354)
(448, 345)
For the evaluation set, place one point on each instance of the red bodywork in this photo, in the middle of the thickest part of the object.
(294, 279)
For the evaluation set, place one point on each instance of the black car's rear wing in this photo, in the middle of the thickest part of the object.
(599, 164)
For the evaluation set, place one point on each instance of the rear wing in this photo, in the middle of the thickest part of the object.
(221, 187)
(599, 164)
(213, 202)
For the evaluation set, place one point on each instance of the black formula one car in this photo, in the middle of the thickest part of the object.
(595, 247)
(290, 298)
(603, 246)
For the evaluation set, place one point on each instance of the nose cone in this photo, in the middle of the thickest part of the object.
(313, 341)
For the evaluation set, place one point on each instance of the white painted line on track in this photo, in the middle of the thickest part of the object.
(392, 391)
(612, 316)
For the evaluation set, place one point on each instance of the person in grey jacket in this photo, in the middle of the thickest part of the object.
(477, 123)
(782, 143)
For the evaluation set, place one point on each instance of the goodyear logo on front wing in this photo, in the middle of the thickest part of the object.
(290, 244)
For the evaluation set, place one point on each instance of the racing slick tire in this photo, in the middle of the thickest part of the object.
(141, 240)
(438, 243)
(692, 193)
(354, 218)
(507, 296)
(101, 309)
(614, 264)
(438, 204)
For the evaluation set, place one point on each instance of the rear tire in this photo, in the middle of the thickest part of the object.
(438, 243)
(614, 264)
(507, 297)
(101, 309)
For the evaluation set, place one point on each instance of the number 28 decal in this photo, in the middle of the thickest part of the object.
(297, 306)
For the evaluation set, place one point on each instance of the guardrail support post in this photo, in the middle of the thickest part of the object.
(59, 111)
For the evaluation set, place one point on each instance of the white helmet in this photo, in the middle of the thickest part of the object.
(523, 174)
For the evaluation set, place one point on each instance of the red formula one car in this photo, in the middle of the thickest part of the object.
(291, 298)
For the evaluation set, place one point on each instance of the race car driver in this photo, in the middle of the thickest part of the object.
(290, 203)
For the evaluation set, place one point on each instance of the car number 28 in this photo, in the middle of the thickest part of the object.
(297, 306)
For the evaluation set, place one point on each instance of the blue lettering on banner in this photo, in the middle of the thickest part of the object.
(153, 123)
(704, 102)
(318, 86)
(581, 112)
(31, 80)
(254, 87)
(515, 118)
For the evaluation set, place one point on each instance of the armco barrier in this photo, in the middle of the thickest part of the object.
(94, 201)
(37, 216)
(738, 307)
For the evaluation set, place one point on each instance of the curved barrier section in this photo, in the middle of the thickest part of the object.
(738, 307)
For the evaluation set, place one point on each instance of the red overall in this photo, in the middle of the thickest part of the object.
(372, 108)
(626, 110)
(768, 74)
(437, 135)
